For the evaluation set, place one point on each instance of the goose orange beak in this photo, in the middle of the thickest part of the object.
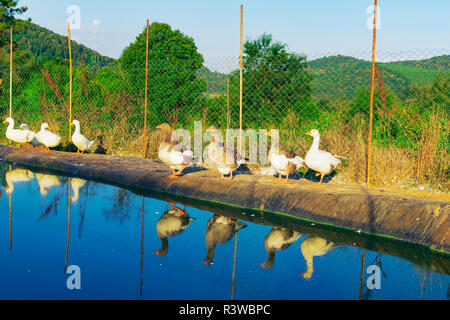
(309, 133)
(4, 121)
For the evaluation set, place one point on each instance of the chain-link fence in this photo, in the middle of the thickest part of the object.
(293, 93)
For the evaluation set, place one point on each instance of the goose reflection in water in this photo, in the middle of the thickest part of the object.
(278, 239)
(17, 175)
(311, 247)
(172, 223)
(219, 230)
(46, 181)
(76, 185)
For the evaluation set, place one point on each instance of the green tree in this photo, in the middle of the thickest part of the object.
(172, 82)
(274, 81)
(8, 13)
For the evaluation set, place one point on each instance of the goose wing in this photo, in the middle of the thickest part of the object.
(181, 152)
(231, 153)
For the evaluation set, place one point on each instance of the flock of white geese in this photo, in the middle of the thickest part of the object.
(224, 158)
(218, 156)
(45, 137)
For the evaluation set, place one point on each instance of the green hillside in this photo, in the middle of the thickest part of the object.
(216, 81)
(436, 63)
(413, 74)
(342, 75)
(45, 44)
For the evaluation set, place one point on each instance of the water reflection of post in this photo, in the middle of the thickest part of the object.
(234, 266)
(362, 273)
(142, 250)
(10, 217)
(68, 223)
(10, 221)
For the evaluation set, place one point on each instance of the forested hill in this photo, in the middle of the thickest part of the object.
(45, 44)
(339, 75)
(342, 75)
(216, 81)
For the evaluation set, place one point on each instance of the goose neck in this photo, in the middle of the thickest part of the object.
(167, 136)
(10, 125)
(315, 144)
(77, 129)
(275, 143)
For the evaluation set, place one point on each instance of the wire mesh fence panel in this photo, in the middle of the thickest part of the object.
(290, 92)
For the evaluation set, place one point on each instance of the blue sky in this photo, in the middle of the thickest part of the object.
(311, 27)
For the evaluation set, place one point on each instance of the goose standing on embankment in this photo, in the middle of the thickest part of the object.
(278, 239)
(311, 247)
(318, 160)
(221, 156)
(173, 222)
(219, 229)
(284, 161)
(80, 141)
(48, 138)
(34, 141)
(174, 154)
(17, 135)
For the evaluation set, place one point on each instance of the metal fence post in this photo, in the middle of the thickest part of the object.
(70, 85)
(369, 144)
(145, 95)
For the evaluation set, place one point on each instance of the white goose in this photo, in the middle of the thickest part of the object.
(48, 138)
(221, 156)
(172, 153)
(313, 247)
(80, 141)
(17, 175)
(17, 135)
(46, 181)
(321, 161)
(284, 161)
(34, 141)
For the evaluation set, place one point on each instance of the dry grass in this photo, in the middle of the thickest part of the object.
(428, 148)
(390, 165)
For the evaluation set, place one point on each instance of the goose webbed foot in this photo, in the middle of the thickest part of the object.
(321, 178)
(174, 175)
(179, 171)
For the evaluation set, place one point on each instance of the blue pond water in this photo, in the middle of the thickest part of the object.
(114, 237)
